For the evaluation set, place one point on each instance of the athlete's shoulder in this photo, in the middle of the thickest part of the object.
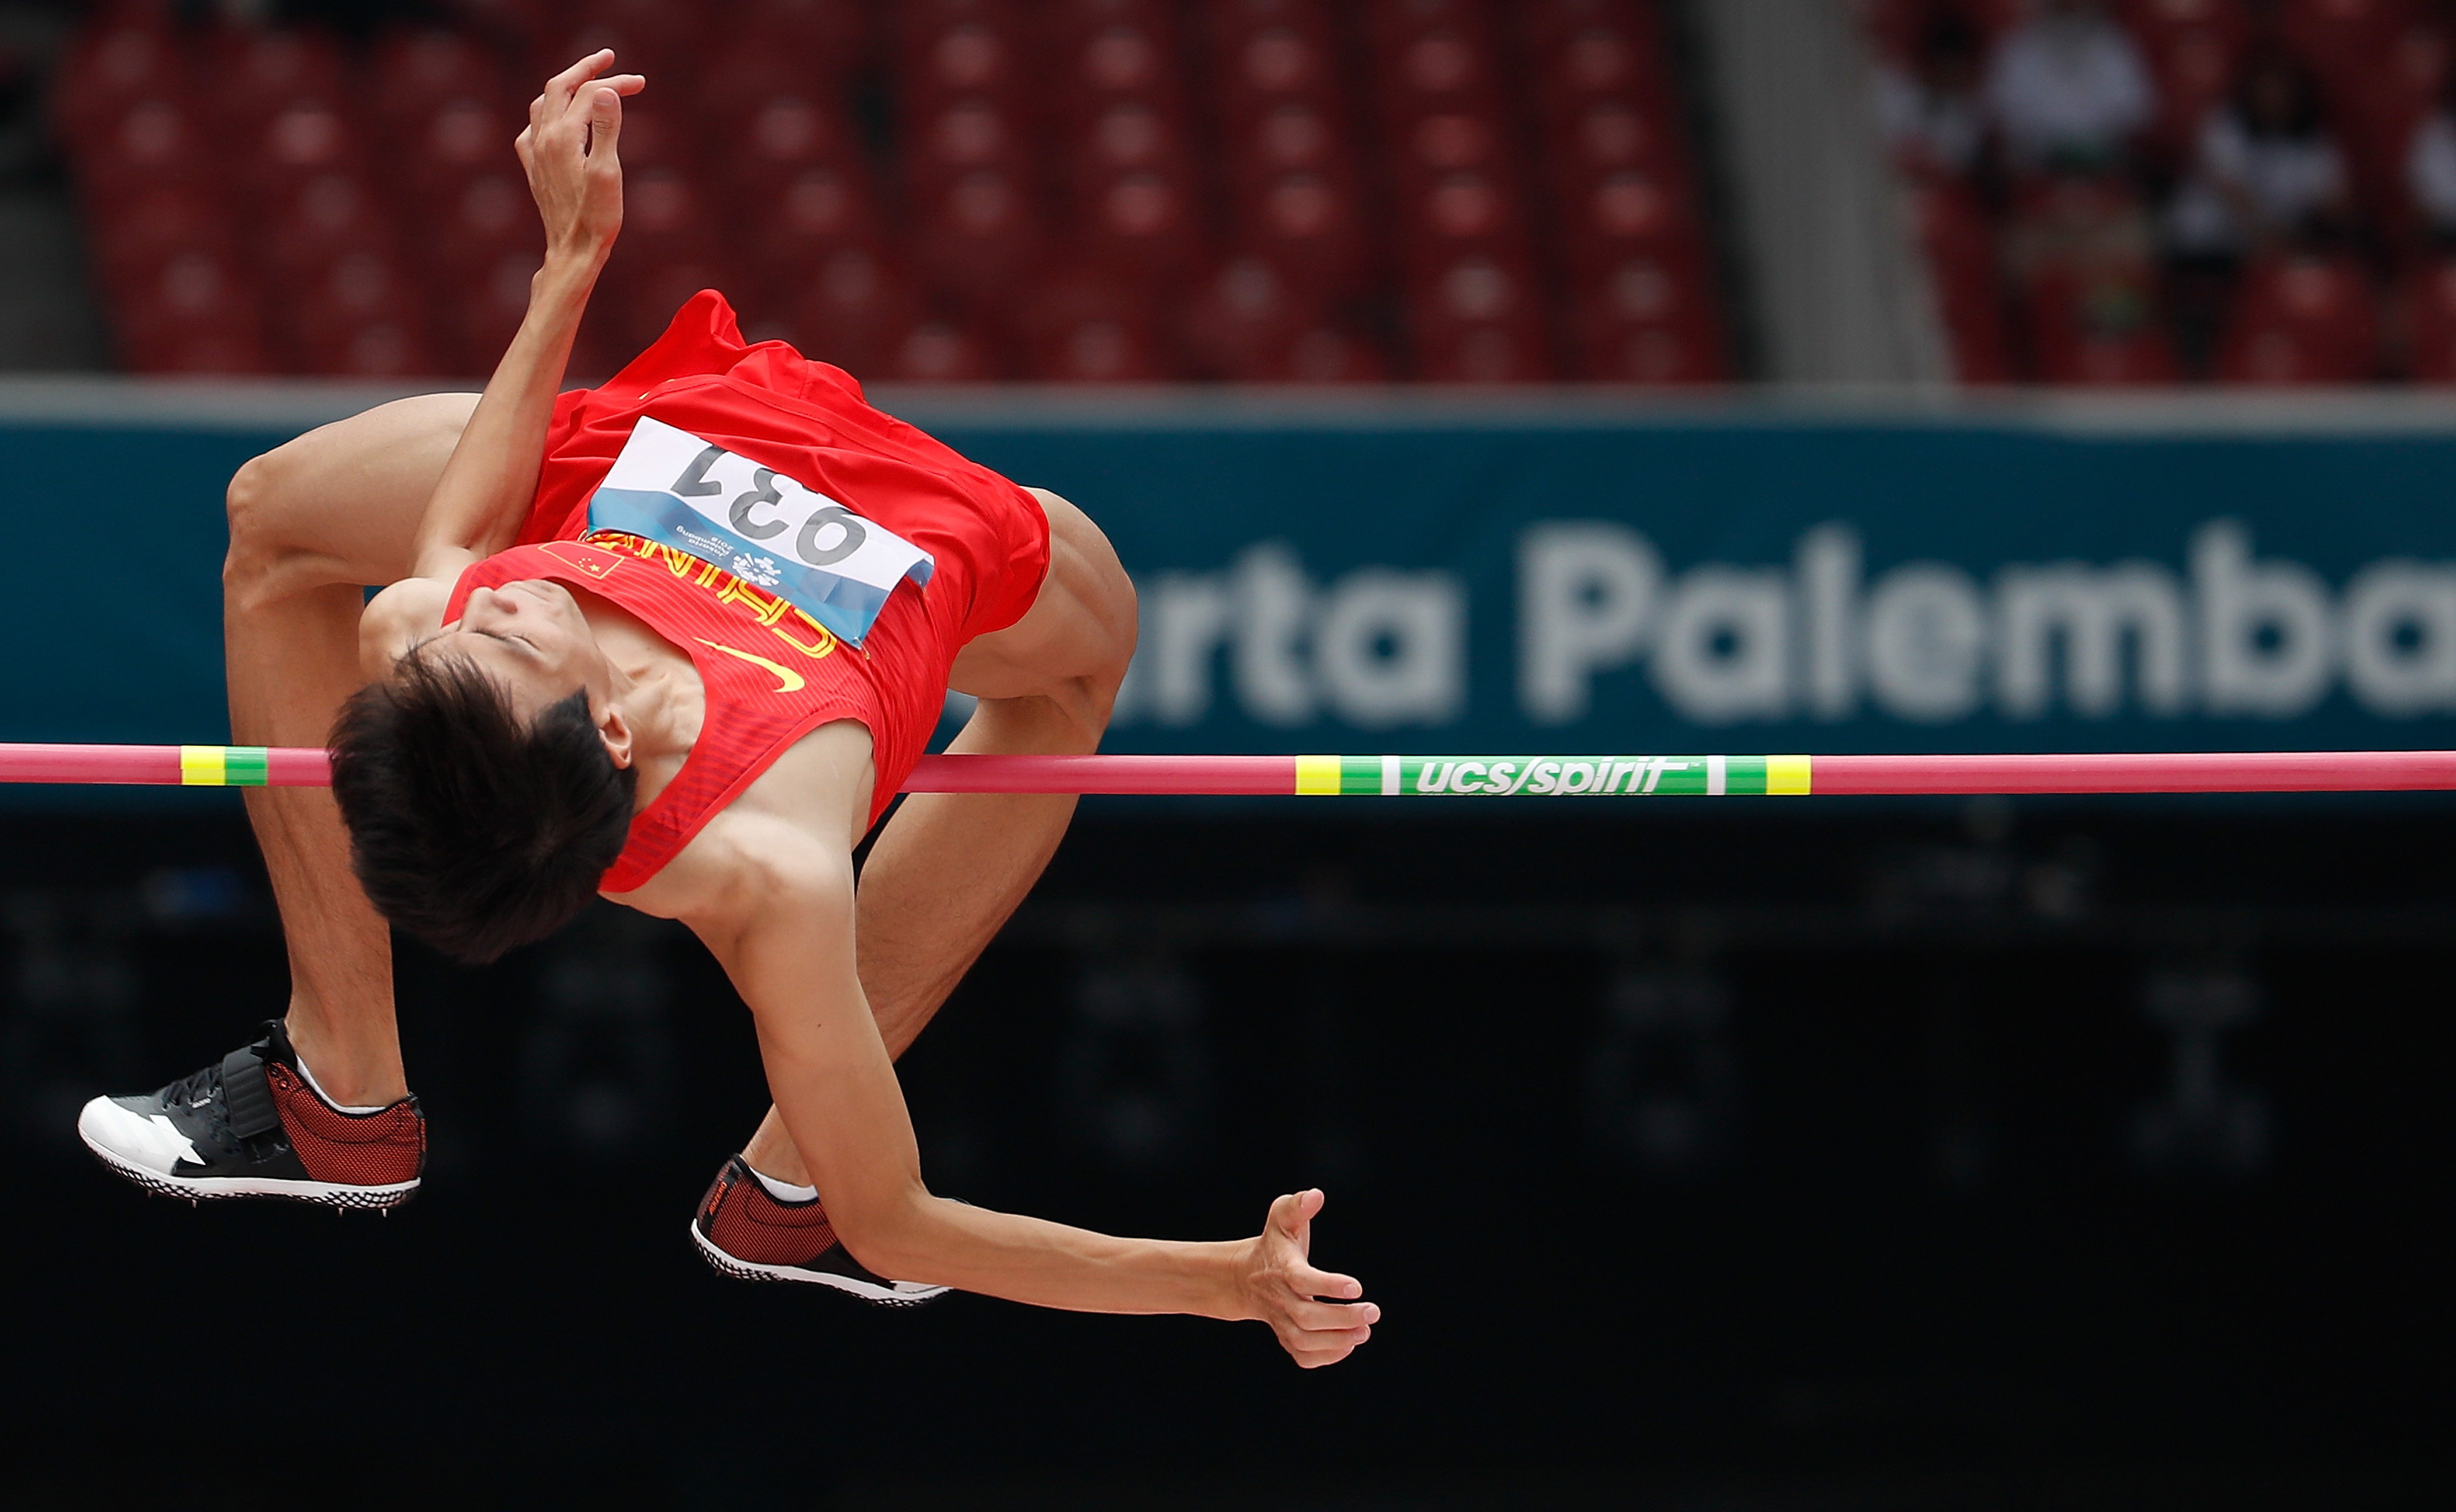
(397, 619)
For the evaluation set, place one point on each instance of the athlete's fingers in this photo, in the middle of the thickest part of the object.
(604, 124)
(1306, 1281)
(1315, 1358)
(559, 89)
(1332, 1317)
(1292, 1212)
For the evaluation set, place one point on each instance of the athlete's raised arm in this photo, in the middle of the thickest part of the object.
(782, 922)
(569, 150)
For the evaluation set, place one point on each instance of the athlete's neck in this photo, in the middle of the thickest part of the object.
(657, 689)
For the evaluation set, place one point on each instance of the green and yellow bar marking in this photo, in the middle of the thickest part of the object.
(222, 765)
(1552, 776)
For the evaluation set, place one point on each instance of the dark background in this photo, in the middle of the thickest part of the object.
(1856, 1155)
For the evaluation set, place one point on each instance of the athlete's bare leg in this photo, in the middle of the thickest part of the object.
(314, 520)
(311, 523)
(950, 867)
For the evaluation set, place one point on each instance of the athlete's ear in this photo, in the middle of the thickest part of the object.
(616, 731)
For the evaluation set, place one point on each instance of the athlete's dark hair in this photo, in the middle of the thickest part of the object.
(469, 830)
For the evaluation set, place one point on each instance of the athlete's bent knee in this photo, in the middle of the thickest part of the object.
(253, 547)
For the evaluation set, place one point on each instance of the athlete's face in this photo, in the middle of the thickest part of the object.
(533, 641)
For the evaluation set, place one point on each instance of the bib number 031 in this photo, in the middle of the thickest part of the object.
(687, 492)
(851, 532)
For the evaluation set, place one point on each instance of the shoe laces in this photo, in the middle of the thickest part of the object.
(188, 1090)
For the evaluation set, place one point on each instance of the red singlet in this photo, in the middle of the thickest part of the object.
(772, 673)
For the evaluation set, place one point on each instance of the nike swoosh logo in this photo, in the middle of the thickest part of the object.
(787, 681)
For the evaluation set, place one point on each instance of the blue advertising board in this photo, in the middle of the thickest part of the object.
(1464, 575)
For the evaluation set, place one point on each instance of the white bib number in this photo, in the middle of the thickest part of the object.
(671, 488)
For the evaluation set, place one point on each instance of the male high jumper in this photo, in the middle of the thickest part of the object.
(677, 641)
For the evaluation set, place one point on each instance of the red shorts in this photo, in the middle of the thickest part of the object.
(988, 538)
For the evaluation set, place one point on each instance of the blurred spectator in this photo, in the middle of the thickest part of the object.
(2067, 89)
(2268, 173)
(2268, 179)
(2430, 168)
(1930, 112)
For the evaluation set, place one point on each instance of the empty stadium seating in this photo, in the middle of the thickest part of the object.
(1075, 190)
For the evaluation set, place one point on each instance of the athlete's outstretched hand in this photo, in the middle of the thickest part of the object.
(1282, 1289)
(569, 152)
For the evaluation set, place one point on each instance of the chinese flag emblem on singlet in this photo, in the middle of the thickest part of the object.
(598, 564)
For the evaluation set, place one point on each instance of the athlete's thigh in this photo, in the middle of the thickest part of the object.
(1080, 627)
(341, 503)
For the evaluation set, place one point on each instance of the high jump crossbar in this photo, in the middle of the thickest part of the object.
(1423, 776)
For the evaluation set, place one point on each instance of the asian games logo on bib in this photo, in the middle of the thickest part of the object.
(671, 488)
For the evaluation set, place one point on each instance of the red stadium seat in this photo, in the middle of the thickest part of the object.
(2430, 305)
(511, 23)
(1242, 314)
(1130, 137)
(1603, 136)
(1124, 59)
(134, 238)
(196, 297)
(1677, 355)
(1601, 59)
(666, 219)
(659, 135)
(330, 217)
(1087, 328)
(1310, 225)
(1329, 353)
(1440, 68)
(1477, 319)
(491, 217)
(1295, 137)
(2377, 121)
(193, 351)
(112, 66)
(977, 53)
(830, 33)
(783, 136)
(411, 71)
(940, 351)
(965, 136)
(643, 299)
(980, 236)
(1648, 320)
(1280, 59)
(153, 140)
(359, 288)
(818, 213)
(2302, 321)
(253, 73)
(478, 312)
(302, 141)
(1443, 218)
(1515, 351)
(1252, 322)
(2341, 37)
(852, 307)
(1143, 224)
(654, 37)
(1623, 212)
(456, 139)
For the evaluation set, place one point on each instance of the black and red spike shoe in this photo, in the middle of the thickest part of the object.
(747, 1232)
(253, 1126)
